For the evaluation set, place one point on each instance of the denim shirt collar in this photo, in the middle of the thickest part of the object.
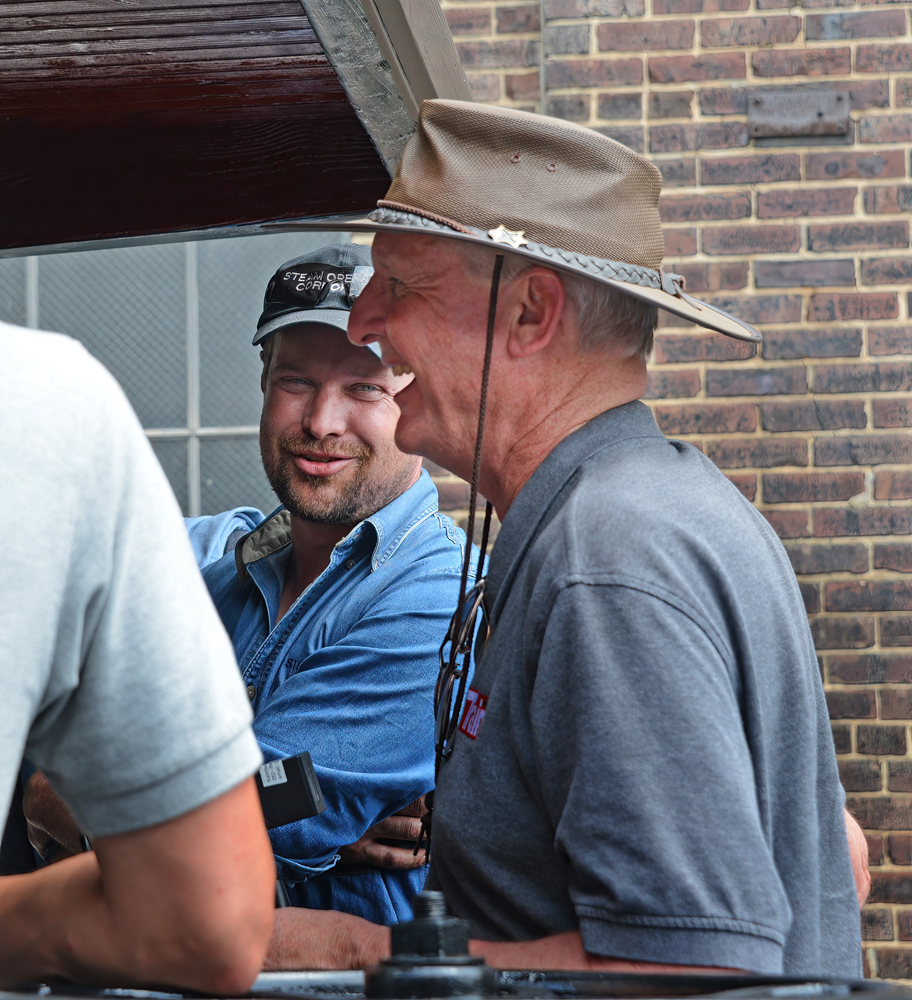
(391, 526)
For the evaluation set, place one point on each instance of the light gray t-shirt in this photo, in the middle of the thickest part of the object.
(118, 679)
(646, 755)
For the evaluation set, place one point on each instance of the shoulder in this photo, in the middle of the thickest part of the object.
(211, 535)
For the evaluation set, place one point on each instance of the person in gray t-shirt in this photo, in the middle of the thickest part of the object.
(642, 770)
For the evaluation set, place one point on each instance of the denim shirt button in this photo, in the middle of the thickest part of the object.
(251, 692)
(350, 563)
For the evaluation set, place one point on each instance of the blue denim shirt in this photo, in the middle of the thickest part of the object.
(347, 674)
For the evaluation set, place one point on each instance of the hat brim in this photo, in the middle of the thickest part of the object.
(322, 317)
(680, 304)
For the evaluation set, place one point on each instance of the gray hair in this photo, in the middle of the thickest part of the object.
(604, 316)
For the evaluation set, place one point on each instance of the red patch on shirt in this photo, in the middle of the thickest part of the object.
(473, 714)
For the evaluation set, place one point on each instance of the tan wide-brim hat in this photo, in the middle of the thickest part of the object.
(541, 188)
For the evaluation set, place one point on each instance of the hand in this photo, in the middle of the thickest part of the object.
(324, 939)
(49, 820)
(858, 849)
(374, 847)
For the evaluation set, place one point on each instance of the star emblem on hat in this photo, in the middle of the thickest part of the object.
(509, 237)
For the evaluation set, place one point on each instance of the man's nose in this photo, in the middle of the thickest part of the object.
(365, 324)
(326, 416)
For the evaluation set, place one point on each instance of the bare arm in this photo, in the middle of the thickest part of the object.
(188, 902)
(858, 849)
(325, 939)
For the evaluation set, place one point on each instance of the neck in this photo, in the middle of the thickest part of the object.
(311, 548)
(525, 424)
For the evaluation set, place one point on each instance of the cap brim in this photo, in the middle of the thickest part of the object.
(685, 306)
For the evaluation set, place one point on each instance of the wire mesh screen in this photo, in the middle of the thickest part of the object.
(174, 323)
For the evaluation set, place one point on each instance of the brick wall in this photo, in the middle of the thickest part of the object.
(807, 238)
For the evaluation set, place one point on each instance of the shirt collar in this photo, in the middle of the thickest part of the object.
(391, 525)
(536, 502)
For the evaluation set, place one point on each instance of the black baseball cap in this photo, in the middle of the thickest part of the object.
(319, 287)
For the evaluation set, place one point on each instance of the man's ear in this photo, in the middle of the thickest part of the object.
(536, 311)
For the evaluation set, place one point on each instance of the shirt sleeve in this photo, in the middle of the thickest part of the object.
(363, 707)
(210, 535)
(646, 776)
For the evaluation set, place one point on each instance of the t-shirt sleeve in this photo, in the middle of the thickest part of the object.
(144, 716)
(646, 775)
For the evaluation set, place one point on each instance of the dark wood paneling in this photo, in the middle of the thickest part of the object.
(158, 116)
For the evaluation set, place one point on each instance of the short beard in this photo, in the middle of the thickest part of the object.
(345, 505)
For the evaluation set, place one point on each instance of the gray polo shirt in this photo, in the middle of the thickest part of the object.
(646, 754)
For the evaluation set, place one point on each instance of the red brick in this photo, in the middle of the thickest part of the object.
(860, 775)
(883, 58)
(555, 9)
(837, 165)
(679, 172)
(593, 72)
(869, 595)
(485, 86)
(811, 487)
(875, 849)
(745, 485)
(706, 418)
(893, 485)
(870, 668)
(899, 776)
(857, 236)
(468, 21)
(751, 169)
(892, 412)
(886, 270)
(881, 449)
(757, 453)
(665, 104)
(680, 242)
(809, 558)
(632, 138)
(570, 107)
(708, 66)
(803, 273)
(759, 309)
(881, 377)
(713, 277)
(892, 887)
(755, 381)
(876, 925)
(522, 17)
(497, 55)
(903, 93)
(645, 36)
(810, 595)
(905, 924)
(893, 555)
(677, 138)
(868, 24)
(842, 522)
(882, 814)
(885, 128)
(890, 340)
(788, 523)
(842, 632)
(725, 101)
(851, 705)
(896, 630)
(813, 415)
(828, 308)
(523, 86)
(896, 703)
(620, 106)
(750, 31)
(869, 94)
(697, 6)
(673, 384)
(842, 740)
(819, 343)
(880, 199)
(671, 348)
(900, 847)
(808, 201)
(567, 40)
(751, 239)
(881, 741)
(802, 62)
(705, 207)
